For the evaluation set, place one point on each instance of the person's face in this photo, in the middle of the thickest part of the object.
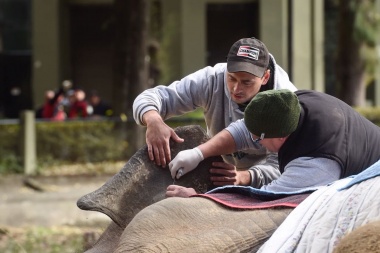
(80, 95)
(49, 95)
(244, 86)
(94, 100)
(271, 144)
(72, 98)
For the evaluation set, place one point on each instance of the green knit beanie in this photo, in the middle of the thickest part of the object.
(274, 112)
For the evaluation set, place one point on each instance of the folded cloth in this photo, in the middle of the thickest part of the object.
(247, 197)
(258, 193)
(239, 201)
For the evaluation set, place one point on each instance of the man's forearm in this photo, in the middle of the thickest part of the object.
(150, 117)
(220, 144)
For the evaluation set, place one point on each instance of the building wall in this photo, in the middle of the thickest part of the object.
(46, 42)
(187, 41)
(294, 33)
(292, 30)
(284, 26)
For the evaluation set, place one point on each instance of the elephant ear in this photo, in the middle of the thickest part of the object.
(140, 182)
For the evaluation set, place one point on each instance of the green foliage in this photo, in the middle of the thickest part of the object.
(80, 141)
(194, 115)
(10, 163)
(192, 118)
(74, 142)
(64, 143)
(169, 66)
(371, 113)
(10, 160)
(9, 136)
(41, 239)
(366, 27)
(367, 21)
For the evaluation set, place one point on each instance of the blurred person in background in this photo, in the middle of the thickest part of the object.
(154, 68)
(49, 95)
(54, 106)
(78, 104)
(98, 107)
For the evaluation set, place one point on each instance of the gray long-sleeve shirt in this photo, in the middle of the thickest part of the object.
(207, 89)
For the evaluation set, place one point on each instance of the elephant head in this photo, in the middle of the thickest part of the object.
(140, 182)
(135, 201)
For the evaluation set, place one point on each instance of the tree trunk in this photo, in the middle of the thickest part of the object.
(350, 65)
(130, 68)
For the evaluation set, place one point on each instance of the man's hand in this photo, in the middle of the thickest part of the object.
(185, 160)
(179, 191)
(226, 174)
(158, 135)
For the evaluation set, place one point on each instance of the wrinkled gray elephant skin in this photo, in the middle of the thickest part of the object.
(144, 221)
(141, 183)
(199, 225)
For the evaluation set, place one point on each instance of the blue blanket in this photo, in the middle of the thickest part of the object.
(370, 172)
(260, 194)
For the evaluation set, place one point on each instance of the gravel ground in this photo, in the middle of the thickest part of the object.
(39, 213)
(52, 204)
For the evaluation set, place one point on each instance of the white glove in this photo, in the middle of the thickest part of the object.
(185, 161)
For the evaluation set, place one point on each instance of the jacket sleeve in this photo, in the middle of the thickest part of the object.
(305, 172)
(185, 95)
(242, 136)
(263, 174)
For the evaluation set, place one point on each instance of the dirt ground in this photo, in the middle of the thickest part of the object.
(52, 204)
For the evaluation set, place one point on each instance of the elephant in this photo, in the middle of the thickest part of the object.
(143, 220)
(198, 224)
(364, 239)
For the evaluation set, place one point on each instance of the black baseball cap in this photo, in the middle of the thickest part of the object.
(248, 55)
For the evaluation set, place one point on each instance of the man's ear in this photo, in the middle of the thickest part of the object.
(266, 77)
(283, 139)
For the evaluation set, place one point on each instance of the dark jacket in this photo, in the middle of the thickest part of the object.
(330, 128)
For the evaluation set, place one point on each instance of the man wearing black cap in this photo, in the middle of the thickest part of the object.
(223, 92)
(319, 138)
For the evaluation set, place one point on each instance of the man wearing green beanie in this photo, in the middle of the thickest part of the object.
(319, 138)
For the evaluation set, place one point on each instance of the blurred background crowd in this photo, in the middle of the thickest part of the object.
(69, 102)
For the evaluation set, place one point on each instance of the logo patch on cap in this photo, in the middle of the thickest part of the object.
(249, 52)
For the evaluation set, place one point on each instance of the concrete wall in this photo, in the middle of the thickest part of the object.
(186, 42)
(307, 44)
(274, 29)
(46, 69)
(193, 35)
(296, 41)
(303, 59)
